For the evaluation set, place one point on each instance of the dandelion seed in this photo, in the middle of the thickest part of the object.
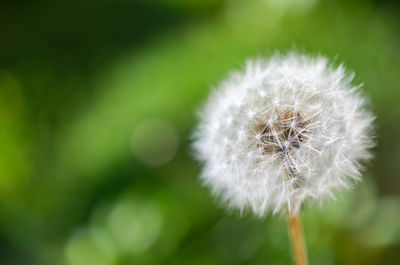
(290, 129)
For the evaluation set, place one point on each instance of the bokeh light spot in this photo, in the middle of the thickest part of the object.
(135, 225)
(154, 142)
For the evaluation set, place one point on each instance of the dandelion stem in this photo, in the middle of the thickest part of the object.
(297, 239)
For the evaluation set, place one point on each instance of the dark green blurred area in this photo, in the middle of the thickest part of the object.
(97, 104)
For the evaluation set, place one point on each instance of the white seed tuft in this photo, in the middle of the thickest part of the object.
(282, 131)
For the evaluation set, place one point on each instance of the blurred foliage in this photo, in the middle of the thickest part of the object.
(97, 104)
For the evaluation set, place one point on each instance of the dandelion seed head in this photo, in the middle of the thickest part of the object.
(284, 130)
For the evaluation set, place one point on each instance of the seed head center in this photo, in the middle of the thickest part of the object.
(283, 132)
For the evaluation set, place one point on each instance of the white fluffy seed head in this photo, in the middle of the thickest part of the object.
(282, 131)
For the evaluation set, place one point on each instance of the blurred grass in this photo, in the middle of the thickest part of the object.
(78, 79)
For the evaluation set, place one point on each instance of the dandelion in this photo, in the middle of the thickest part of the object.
(283, 131)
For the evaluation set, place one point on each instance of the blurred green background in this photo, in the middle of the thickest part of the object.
(97, 103)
